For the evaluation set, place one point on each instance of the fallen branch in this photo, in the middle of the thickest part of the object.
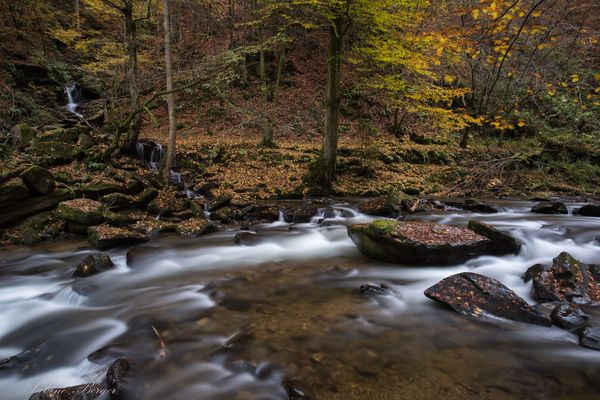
(163, 349)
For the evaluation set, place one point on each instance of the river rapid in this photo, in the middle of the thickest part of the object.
(207, 318)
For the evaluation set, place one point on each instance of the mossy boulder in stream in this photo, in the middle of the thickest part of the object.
(81, 211)
(93, 264)
(417, 243)
(479, 297)
(390, 205)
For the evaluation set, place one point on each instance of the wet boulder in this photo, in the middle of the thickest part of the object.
(479, 206)
(391, 205)
(568, 316)
(479, 297)
(13, 192)
(374, 290)
(417, 243)
(81, 211)
(79, 392)
(550, 207)
(589, 210)
(93, 264)
(39, 180)
(501, 243)
(116, 377)
(193, 227)
(104, 237)
(590, 338)
(567, 279)
(301, 213)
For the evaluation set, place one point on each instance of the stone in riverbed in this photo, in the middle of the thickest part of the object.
(79, 392)
(477, 296)
(590, 338)
(93, 264)
(589, 210)
(104, 237)
(81, 211)
(568, 316)
(116, 377)
(417, 243)
(567, 279)
(38, 180)
(554, 207)
(391, 205)
(502, 243)
(374, 290)
(193, 227)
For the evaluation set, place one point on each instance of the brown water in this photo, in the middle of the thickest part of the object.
(248, 322)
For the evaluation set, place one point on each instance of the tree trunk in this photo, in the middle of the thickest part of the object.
(77, 15)
(170, 154)
(267, 139)
(332, 103)
(132, 76)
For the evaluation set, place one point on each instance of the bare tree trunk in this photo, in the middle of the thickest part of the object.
(170, 154)
(267, 139)
(132, 77)
(77, 15)
(326, 175)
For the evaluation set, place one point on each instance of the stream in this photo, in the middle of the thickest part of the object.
(206, 318)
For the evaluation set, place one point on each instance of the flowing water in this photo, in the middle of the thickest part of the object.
(236, 321)
(73, 97)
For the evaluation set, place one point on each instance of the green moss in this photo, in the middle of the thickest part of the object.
(384, 225)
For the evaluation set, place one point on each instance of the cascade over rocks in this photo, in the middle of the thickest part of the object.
(417, 243)
(567, 279)
(471, 204)
(554, 207)
(477, 296)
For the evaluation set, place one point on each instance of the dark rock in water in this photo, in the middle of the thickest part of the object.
(80, 392)
(33, 206)
(417, 243)
(104, 237)
(242, 366)
(81, 211)
(477, 296)
(301, 214)
(568, 316)
(589, 210)
(21, 360)
(391, 205)
(93, 264)
(590, 338)
(248, 238)
(294, 390)
(38, 180)
(502, 243)
(374, 290)
(116, 377)
(532, 272)
(567, 279)
(479, 206)
(555, 207)
(13, 192)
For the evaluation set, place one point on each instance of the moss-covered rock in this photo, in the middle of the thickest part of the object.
(23, 135)
(38, 180)
(54, 152)
(119, 201)
(104, 237)
(34, 206)
(116, 219)
(67, 135)
(81, 211)
(417, 243)
(391, 205)
(105, 187)
(12, 192)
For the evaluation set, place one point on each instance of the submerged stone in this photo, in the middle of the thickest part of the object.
(417, 243)
(554, 207)
(568, 316)
(477, 296)
(374, 290)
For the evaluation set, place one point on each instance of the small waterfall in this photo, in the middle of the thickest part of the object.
(74, 97)
(150, 153)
